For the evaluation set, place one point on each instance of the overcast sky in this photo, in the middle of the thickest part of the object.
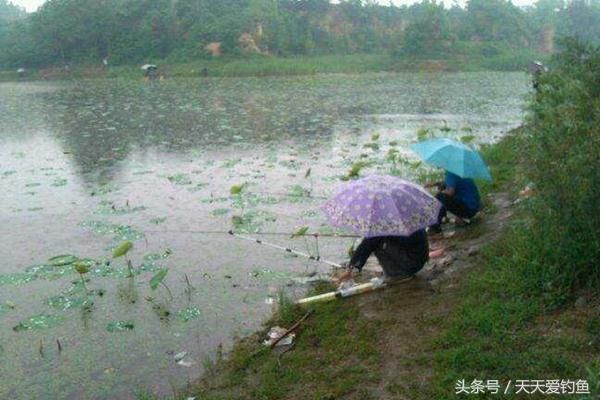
(32, 5)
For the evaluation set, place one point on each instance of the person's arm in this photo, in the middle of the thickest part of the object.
(363, 251)
(449, 191)
(360, 257)
(450, 184)
(440, 185)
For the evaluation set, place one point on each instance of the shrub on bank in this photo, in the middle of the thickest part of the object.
(563, 147)
(550, 252)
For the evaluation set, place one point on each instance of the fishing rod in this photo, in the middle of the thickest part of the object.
(316, 235)
(287, 249)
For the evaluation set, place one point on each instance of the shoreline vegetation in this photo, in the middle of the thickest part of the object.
(261, 66)
(525, 305)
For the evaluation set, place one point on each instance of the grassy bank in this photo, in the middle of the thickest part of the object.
(517, 320)
(528, 309)
(502, 322)
(465, 58)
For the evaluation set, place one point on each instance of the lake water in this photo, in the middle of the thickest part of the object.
(85, 165)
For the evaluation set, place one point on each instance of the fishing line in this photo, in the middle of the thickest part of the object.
(286, 249)
(317, 235)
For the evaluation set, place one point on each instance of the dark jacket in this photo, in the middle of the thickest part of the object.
(398, 255)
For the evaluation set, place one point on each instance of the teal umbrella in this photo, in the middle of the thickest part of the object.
(453, 156)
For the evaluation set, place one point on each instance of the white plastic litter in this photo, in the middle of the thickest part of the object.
(180, 356)
(184, 363)
(305, 280)
(275, 333)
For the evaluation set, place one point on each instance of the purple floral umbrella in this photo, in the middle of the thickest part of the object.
(380, 205)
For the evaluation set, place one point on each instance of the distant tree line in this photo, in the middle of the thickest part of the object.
(132, 31)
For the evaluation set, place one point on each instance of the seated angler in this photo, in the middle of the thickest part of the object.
(458, 195)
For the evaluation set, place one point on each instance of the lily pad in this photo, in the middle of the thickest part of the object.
(121, 232)
(64, 259)
(15, 279)
(109, 271)
(59, 182)
(37, 322)
(107, 207)
(122, 249)
(3, 309)
(103, 189)
(120, 326)
(220, 211)
(189, 313)
(155, 257)
(158, 278)
(252, 222)
(62, 302)
(48, 272)
(179, 179)
(197, 187)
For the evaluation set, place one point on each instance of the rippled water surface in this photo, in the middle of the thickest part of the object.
(86, 165)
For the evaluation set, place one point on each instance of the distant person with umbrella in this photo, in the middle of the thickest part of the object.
(537, 69)
(392, 215)
(458, 193)
(150, 71)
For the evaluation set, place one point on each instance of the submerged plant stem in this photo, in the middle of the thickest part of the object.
(168, 290)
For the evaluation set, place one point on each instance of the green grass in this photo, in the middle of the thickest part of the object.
(226, 66)
(508, 322)
(335, 354)
(473, 56)
(466, 57)
(516, 319)
(499, 331)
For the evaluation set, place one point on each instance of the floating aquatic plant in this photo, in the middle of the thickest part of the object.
(355, 170)
(59, 182)
(445, 128)
(300, 232)
(251, 222)
(424, 133)
(65, 259)
(41, 321)
(236, 189)
(120, 326)
(82, 268)
(120, 232)
(373, 146)
(189, 313)
(180, 179)
(107, 207)
(122, 250)
(157, 221)
(158, 279)
(16, 278)
(47, 271)
(219, 212)
(467, 138)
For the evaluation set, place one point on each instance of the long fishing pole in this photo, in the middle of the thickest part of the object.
(287, 249)
(317, 235)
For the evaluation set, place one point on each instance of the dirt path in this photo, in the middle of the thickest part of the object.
(410, 313)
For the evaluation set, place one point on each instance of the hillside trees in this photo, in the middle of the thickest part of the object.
(132, 31)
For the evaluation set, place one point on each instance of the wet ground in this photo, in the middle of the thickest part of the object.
(86, 165)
